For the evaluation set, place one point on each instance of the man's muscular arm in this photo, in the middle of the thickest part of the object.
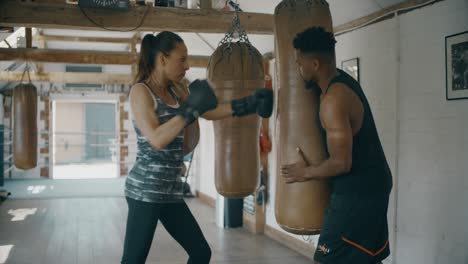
(335, 115)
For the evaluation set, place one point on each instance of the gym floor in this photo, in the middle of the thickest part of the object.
(84, 230)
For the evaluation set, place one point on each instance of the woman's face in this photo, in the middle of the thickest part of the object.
(176, 65)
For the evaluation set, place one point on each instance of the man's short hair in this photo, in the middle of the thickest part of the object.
(316, 40)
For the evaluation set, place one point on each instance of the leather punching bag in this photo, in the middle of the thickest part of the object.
(25, 126)
(234, 73)
(299, 207)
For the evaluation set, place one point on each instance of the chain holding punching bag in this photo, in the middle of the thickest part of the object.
(235, 70)
(25, 125)
(299, 207)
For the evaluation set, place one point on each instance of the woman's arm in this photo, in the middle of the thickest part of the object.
(159, 136)
(221, 112)
(260, 101)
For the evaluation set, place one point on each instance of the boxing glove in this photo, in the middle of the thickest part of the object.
(260, 102)
(201, 99)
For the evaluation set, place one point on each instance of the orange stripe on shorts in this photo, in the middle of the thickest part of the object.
(365, 249)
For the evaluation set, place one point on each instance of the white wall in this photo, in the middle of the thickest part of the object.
(433, 171)
(204, 160)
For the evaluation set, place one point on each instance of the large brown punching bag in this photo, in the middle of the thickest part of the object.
(234, 73)
(300, 207)
(25, 126)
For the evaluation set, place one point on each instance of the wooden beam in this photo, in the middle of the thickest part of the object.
(376, 15)
(28, 33)
(31, 14)
(83, 39)
(83, 57)
(56, 1)
(69, 77)
(134, 42)
(67, 56)
(42, 45)
(133, 49)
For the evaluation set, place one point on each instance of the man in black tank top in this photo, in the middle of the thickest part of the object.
(355, 228)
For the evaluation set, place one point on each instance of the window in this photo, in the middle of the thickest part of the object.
(84, 86)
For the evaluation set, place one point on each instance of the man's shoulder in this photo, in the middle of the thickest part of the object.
(337, 96)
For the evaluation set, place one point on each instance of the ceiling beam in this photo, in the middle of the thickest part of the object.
(83, 57)
(83, 39)
(381, 14)
(56, 15)
(28, 34)
(68, 77)
(45, 15)
(68, 56)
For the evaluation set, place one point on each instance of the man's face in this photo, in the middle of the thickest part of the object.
(308, 66)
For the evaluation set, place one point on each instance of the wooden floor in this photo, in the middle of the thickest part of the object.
(91, 230)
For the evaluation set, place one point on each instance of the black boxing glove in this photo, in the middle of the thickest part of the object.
(264, 102)
(200, 100)
(261, 102)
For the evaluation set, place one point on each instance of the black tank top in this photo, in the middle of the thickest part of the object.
(370, 173)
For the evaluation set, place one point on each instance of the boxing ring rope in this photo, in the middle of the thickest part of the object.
(75, 148)
(113, 147)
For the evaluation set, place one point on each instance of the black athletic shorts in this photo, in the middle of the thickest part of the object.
(355, 230)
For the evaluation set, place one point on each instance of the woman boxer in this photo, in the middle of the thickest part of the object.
(161, 109)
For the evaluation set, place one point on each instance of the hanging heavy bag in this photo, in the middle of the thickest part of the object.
(299, 207)
(25, 125)
(236, 74)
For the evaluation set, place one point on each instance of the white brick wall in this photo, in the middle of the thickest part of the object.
(131, 142)
(433, 190)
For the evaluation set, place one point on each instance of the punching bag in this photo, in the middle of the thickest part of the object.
(300, 207)
(235, 70)
(25, 126)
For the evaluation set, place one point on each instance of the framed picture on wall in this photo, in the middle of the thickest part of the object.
(456, 66)
(351, 67)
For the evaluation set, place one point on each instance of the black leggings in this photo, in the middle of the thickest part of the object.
(177, 219)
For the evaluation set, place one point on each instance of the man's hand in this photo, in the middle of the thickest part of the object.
(294, 172)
